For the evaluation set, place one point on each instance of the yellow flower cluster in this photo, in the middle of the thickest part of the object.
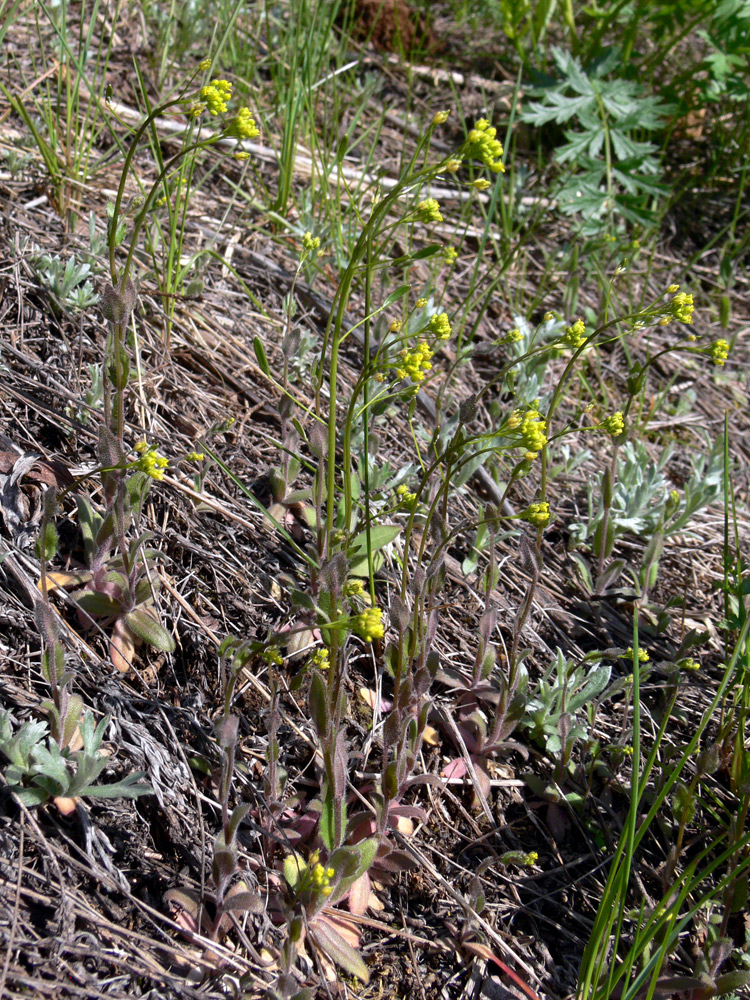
(643, 656)
(215, 96)
(681, 307)
(533, 427)
(519, 858)
(242, 125)
(404, 495)
(420, 303)
(537, 514)
(320, 659)
(719, 352)
(272, 655)
(413, 364)
(428, 210)
(354, 588)
(513, 336)
(450, 254)
(575, 335)
(440, 326)
(480, 184)
(440, 118)
(320, 877)
(368, 624)
(150, 461)
(614, 424)
(485, 147)
(310, 242)
(194, 456)
(453, 165)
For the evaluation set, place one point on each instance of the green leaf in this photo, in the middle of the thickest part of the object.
(380, 535)
(328, 939)
(350, 863)
(142, 624)
(244, 902)
(46, 543)
(595, 683)
(260, 354)
(327, 827)
(294, 868)
(238, 814)
(318, 704)
(94, 603)
(395, 296)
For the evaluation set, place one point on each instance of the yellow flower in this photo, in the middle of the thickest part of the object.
(368, 624)
(404, 495)
(537, 514)
(614, 424)
(440, 326)
(420, 303)
(673, 288)
(719, 351)
(682, 307)
(575, 335)
(215, 95)
(482, 145)
(204, 64)
(643, 656)
(150, 461)
(440, 118)
(414, 363)
(450, 254)
(480, 184)
(320, 659)
(453, 165)
(242, 125)
(310, 242)
(428, 211)
(533, 427)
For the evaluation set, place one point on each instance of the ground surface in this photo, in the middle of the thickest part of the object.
(82, 898)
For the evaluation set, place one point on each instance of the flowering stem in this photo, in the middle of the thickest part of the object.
(141, 217)
(123, 178)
